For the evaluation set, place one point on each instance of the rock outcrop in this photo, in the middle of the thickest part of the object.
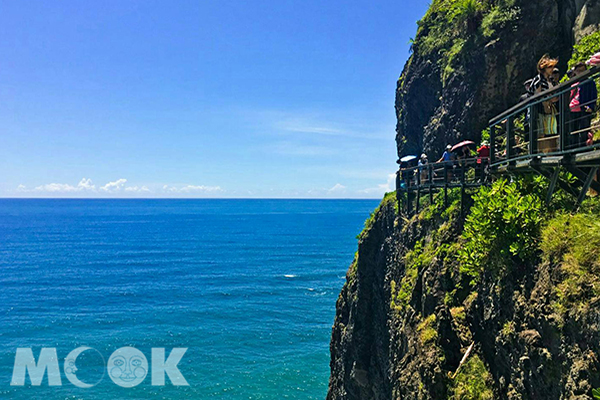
(454, 83)
(406, 316)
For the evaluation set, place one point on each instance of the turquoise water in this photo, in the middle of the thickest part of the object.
(248, 286)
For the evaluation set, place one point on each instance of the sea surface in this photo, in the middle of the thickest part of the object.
(247, 286)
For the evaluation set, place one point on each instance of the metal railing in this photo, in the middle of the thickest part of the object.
(429, 178)
(545, 125)
(544, 133)
(470, 172)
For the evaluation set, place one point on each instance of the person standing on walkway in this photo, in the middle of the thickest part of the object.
(483, 160)
(423, 167)
(447, 158)
(583, 105)
(547, 123)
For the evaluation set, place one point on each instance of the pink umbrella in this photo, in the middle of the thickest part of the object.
(462, 144)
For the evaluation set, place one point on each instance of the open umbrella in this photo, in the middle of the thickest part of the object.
(462, 144)
(408, 158)
(595, 60)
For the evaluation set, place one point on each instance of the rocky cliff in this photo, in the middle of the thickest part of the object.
(524, 289)
(516, 278)
(470, 59)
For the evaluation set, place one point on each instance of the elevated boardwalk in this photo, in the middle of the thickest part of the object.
(527, 138)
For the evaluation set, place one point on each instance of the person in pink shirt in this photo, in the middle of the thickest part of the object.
(582, 105)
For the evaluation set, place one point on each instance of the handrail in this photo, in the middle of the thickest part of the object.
(545, 155)
(555, 143)
(470, 160)
(543, 96)
(537, 134)
(444, 174)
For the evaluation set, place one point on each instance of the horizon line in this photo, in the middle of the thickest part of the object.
(189, 198)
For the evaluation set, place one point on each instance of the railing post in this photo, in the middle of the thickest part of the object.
(492, 143)
(462, 188)
(418, 171)
(510, 136)
(563, 110)
(430, 175)
(533, 133)
(399, 188)
(446, 173)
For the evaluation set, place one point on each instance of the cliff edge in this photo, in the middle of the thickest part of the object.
(515, 279)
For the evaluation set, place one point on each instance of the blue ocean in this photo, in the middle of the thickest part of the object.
(247, 286)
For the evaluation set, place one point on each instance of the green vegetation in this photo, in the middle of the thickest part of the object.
(503, 225)
(452, 28)
(427, 331)
(500, 17)
(352, 271)
(388, 198)
(596, 394)
(419, 258)
(508, 328)
(585, 48)
(413, 261)
(473, 382)
(437, 209)
(458, 314)
(441, 246)
(570, 242)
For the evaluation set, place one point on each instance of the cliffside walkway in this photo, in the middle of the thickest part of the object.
(523, 140)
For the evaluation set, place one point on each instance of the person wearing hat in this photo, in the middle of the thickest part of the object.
(542, 82)
(447, 157)
(483, 159)
(422, 167)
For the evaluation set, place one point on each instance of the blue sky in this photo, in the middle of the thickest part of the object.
(200, 98)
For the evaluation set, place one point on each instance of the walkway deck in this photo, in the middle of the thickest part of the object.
(519, 146)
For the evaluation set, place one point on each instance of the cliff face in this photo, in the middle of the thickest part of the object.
(408, 312)
(420, 291)
(469, 62)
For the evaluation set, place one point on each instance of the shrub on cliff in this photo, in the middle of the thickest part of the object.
(503, 226)
(452, 29)
(570, 243)
(388, 198)
(473, 382)
(584, 49)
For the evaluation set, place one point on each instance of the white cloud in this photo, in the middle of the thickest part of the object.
(192, 189)
(382, 188)
(315, 125)
(321, 130)
(86, 184)
(136, 189)
(337, 188)
(114, 186)
(83, 185)
(56, 187)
